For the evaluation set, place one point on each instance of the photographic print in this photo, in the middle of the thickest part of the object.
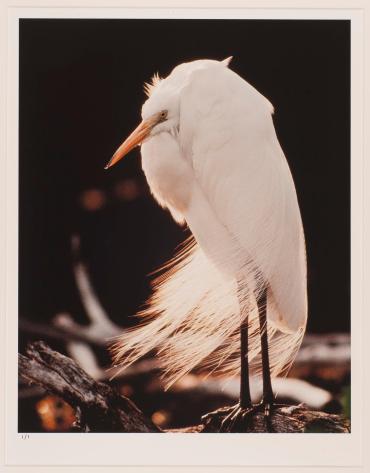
(199, 276)
(185, 254)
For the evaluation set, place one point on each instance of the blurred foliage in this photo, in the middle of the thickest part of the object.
(345, 400)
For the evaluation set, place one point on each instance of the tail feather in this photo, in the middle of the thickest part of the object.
(193, 319)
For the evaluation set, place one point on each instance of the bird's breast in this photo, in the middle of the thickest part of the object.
(169, 175)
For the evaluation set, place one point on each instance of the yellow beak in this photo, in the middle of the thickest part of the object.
(135, 139)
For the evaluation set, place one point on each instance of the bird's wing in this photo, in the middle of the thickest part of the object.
(227, 134)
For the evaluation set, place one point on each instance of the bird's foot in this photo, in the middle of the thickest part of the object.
(231, 418)
(250, 419)
(268, 408)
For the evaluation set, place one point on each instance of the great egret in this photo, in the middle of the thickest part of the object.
(234, 298)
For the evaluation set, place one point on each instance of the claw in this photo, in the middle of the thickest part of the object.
(216, 413)
(235, 419)
(226, 423)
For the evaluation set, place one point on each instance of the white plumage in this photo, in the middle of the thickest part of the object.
(211, 156)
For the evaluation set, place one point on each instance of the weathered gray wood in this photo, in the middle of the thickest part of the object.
(289, 419)
(100, 408)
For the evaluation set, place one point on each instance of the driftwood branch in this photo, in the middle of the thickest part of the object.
(288, 419)
(100, 408)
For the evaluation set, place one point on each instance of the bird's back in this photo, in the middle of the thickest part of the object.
(242, 171)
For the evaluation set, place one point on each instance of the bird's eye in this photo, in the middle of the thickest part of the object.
(163, 115)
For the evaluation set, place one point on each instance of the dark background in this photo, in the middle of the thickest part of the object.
(81, 91)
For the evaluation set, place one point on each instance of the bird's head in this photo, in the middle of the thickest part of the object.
(161, 111)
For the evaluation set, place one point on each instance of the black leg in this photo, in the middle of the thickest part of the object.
(237, 418)
(245, 395)
(268, 396)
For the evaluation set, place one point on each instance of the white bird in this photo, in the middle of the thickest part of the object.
(211, 157)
